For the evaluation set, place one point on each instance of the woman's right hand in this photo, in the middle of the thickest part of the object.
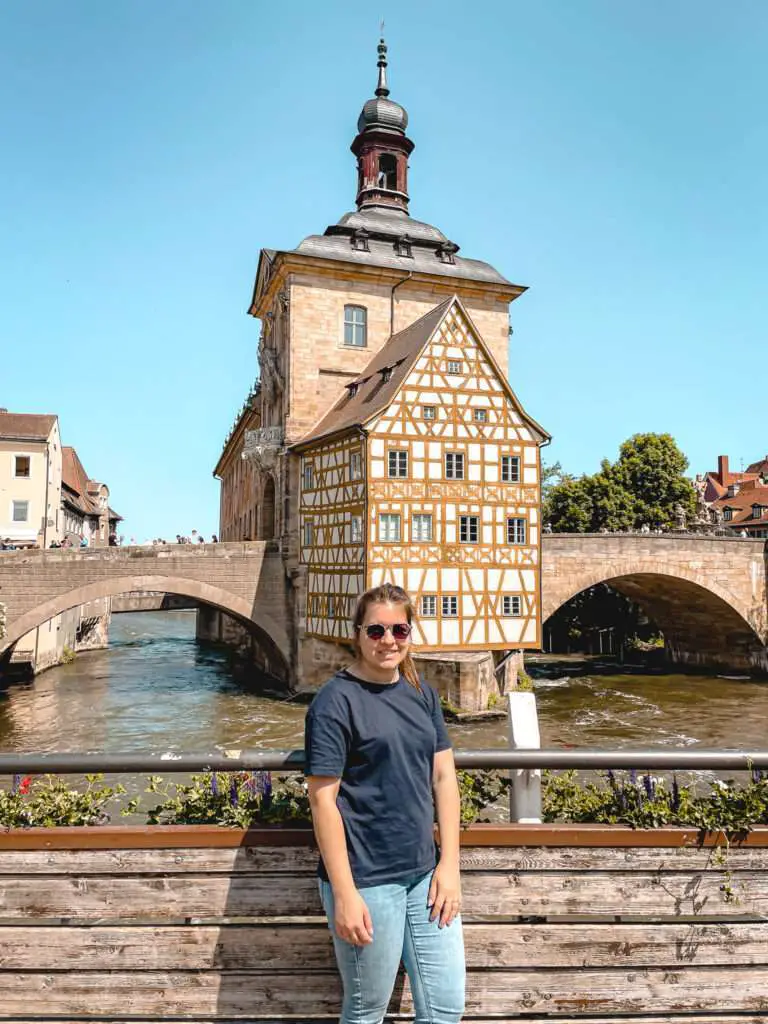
(352, 919)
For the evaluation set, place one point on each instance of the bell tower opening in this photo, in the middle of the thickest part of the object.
(387, 176)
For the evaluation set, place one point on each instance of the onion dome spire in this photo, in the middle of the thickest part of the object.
(381, 146)
(381, 88)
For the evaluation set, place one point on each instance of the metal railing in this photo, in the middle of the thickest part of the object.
(293, 760)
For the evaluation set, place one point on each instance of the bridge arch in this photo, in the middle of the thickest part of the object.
(703, 622)
(205, 593)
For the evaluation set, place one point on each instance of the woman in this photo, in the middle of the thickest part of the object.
(378, 755)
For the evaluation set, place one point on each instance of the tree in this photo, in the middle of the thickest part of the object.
(644, 487)
(569, 507)
(651, 468)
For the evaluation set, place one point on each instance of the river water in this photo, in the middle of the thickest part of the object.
(155, 690)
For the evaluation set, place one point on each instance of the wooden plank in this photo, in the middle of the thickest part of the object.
(100, 837)
(401, 1018)
(286, 947)
(293, 860)
(486, 895)
(302, 860)
(247, 994)
(397, 1018)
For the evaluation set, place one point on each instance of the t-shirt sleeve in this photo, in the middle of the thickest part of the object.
(327, 737)
(443, 741)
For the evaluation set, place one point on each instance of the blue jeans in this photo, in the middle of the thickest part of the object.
(433, 956)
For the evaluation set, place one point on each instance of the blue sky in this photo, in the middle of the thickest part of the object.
(611, 156)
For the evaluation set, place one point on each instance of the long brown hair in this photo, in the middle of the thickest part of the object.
(386, 593)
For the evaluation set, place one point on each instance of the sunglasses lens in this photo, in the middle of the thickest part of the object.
(375, 632)
(401, 631)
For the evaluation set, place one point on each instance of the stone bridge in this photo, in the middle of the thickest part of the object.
(245, 580)
(708, 595)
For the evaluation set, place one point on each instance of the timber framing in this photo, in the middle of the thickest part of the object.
(449, 498)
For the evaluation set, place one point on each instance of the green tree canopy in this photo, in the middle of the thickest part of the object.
(644, 487)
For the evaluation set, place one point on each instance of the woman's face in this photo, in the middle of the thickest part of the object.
(383, 655)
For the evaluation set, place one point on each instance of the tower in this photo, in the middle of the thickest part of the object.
(382, 147)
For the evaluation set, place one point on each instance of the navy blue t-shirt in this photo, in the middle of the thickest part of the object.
(380, 740)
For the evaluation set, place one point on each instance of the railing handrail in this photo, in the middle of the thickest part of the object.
(293, 760)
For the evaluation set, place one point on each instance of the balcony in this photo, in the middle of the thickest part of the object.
(262, 446)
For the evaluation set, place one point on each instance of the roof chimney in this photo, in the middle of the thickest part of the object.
(722, 469)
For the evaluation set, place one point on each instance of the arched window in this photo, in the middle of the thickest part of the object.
(387, 176)
(356, 326)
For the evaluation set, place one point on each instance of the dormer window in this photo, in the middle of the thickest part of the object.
(403, 246)
(352, 388)
(386, 374)
(447, 252)
(356, 326)
(360, 240)
(387, 175)
(727, 514)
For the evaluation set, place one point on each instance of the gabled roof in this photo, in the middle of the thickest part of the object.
(760, 467)
(372, 392)
(76, 486)
(25, 426)
(741, 505)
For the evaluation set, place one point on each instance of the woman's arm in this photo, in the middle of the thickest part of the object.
(445, 890)
(352, 919)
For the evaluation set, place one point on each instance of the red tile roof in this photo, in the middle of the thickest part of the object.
(76, 487)
(25, 426)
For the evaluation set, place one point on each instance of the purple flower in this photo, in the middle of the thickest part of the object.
(16, 783)
(633, 776)
(611, 778)
(234, 798)
(214, 784)
(649, 785)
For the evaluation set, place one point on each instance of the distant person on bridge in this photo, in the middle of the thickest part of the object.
(378, 765)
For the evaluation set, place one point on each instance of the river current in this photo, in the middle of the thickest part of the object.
(156, 690)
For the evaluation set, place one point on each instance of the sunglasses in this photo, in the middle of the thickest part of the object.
(400, 631)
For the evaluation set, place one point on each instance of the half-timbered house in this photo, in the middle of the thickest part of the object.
(425, 473)
(389, 444)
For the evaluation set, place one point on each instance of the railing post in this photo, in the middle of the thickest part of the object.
(525, 790)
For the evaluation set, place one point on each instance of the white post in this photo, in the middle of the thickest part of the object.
(525, 792)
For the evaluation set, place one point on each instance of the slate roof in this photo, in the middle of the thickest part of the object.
(373, 393)
(24, 426)
(385, 225)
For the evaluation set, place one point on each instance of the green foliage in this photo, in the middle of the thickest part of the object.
(477, 790)
(648, 802)
(236, 799)
(568, 507)
(644, 487)
(47, 801)
(651, 468)
(524, 681)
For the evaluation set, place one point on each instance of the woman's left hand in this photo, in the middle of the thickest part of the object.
(444, 894)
